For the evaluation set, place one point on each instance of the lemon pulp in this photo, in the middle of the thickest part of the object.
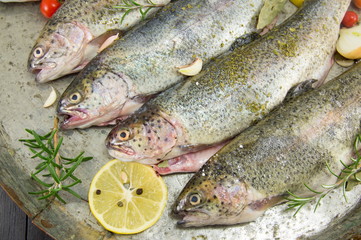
(127, 197)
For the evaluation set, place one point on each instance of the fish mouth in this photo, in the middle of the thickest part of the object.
(74, 118)
(116, 150)
(192, 218)
(40, 72)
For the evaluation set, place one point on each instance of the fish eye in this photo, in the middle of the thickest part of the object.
(124, 134)
(74, 97)
(194, 199)
(38, 52)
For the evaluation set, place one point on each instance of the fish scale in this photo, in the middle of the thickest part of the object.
(242, 86)
(289, 148)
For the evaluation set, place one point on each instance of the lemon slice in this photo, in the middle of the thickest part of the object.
(127, 197)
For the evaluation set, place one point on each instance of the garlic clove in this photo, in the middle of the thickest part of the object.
(51, 99)
(108, 42)
(192, 69)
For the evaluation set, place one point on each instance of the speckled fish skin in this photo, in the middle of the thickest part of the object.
(65, 43)
(144, 62)
(287, 149)
(242, 86)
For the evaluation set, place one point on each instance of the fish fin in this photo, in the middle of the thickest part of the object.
(271, 25)
(79, 67)
(143, 98)
(265, 203)
(322, 72)
(98, 44)
(300, 89)
(256, 208)
(244, 40)
(115, 121)
(190, 162)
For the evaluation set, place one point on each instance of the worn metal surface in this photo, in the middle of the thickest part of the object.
(21, 101)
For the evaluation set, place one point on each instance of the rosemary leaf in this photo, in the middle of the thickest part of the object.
(72, 169)
(46, 196)
(144, 14)
(73, 193)
(318, 203)
(55, 165)
(74, 178)
(124, 15)
(52, 171)
(59, 198)
(299, 208)
(345, 166)
(31, 145)
(72, 185)
(40, 182)
(41, 168)
(135, 3)
(41, 144)
(39, 155)
(329, 186)
(40, 165)
(39, 192)
(47, 147)
(330, 170)
(311, 189)
(85, 159)
(129, 5)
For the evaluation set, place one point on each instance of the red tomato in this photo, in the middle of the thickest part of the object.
(357, 3)
(49, 7)
(349, 19)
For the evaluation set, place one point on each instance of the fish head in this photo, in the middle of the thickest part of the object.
(94, 97)
(209, 200)
(58, 51)
(146, 138)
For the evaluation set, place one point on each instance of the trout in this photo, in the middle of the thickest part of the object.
(238, 89)
(144, 62)
(77, 31)
(291, 147)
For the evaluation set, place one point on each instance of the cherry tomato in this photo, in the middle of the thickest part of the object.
(349, 19)
(357, 3)
(49, 7)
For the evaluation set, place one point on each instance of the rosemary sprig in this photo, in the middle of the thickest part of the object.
(54, 166)
(131, 5)
(350, 171)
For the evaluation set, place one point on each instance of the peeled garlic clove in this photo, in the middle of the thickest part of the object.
(51, 99)
(107, 42)
(192, 69)
(349, 42)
